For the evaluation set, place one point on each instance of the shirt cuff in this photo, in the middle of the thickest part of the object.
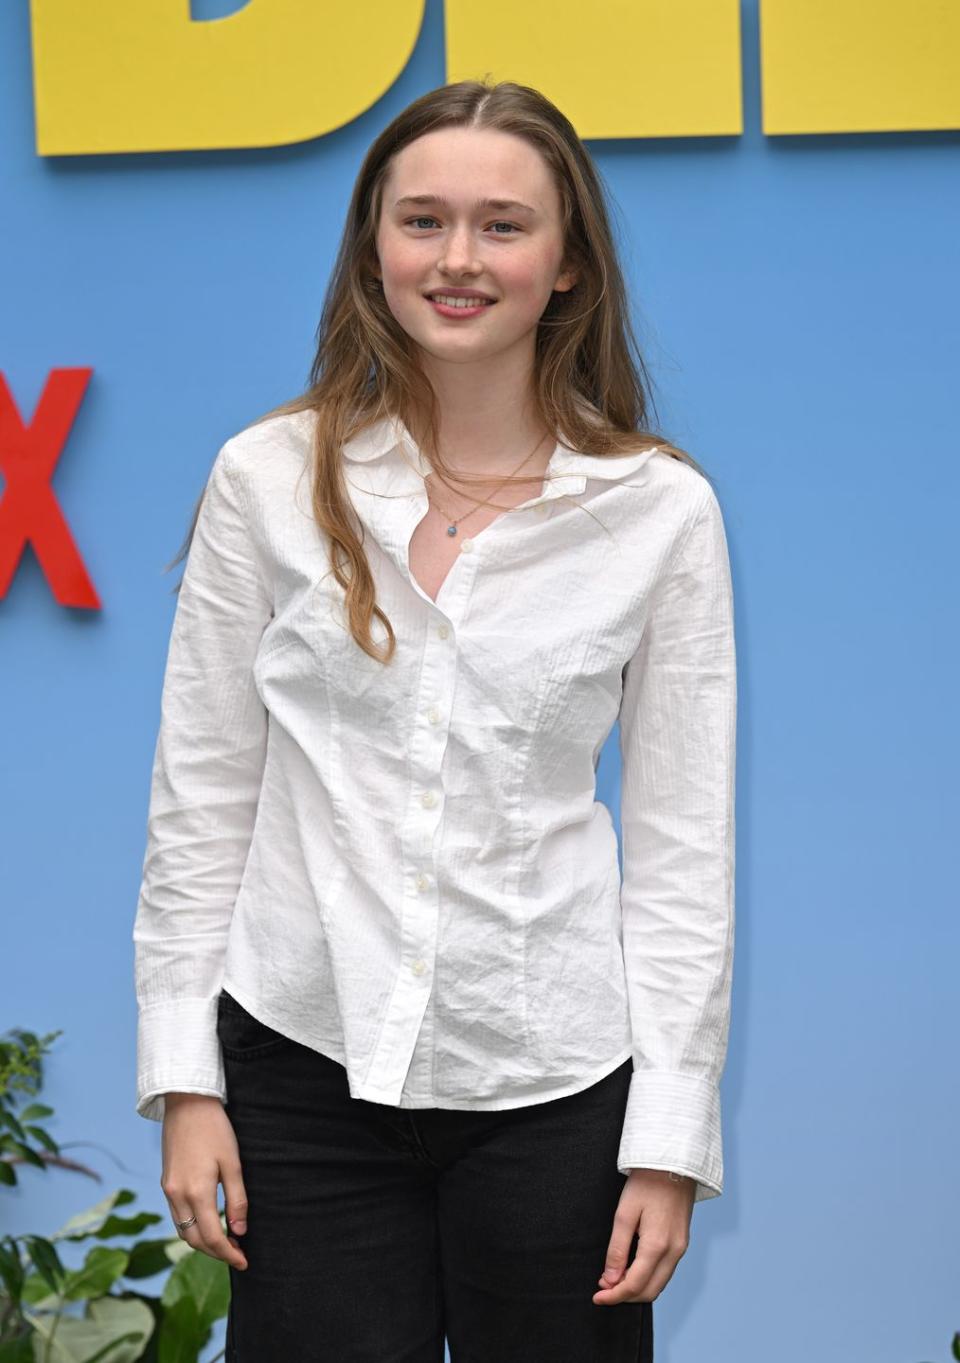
(178, 1051)
(672, 1121)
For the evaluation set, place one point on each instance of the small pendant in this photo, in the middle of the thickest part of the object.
(451, 529)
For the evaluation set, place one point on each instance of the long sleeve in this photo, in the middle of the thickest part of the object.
(207, 773)
(678, 743)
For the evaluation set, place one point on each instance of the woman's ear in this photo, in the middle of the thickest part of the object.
(565, 280)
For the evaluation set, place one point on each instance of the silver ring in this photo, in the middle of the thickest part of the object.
(182, 1225)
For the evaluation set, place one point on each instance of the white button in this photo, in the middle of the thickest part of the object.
(443, 631)
(433, 714)
(422, 881)
(418, 967)
(428, 799)
(466, 545)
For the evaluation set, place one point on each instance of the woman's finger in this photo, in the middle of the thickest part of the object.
(618, 1248)
(189, 1234)
(235, 1196)
(213, 1238)
(644, 1280)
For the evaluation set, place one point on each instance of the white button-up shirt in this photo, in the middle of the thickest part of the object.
(405, 866)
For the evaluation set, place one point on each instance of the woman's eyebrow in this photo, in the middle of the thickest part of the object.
(508, 205)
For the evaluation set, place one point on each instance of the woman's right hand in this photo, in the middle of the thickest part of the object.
(200, 1150)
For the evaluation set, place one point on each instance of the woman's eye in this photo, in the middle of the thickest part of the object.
(416, 222)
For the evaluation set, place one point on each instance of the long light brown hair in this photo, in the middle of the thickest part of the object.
(591, 388)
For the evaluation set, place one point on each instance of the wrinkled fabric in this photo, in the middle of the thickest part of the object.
(404, 866)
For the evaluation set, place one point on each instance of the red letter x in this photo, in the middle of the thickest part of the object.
(28, 509)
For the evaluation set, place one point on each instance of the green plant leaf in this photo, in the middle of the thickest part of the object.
(45, 1260)
(37, 1294)
(101, 1269)
(8, 1119)
(177, 1249)
(45, 1139)
(29, 1154)
(19, 1350)
(8, 1174)
(124, 1225)
(205, 1280)
(113, 1329)
(34, 1111)
(156, 1309)
(89, 1222)
(182, 1334)
(148, 1257)
(956, 1345)
(11, 1268)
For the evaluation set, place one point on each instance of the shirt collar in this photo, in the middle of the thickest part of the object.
(568, 470)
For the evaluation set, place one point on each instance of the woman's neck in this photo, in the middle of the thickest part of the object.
(488, 421)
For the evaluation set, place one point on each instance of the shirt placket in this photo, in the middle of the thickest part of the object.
(421, 832)
(422, 823)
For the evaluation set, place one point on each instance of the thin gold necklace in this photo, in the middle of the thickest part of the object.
(452, 524)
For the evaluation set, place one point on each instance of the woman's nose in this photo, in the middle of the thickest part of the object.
(458, 254)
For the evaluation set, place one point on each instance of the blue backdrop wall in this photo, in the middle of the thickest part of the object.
(798, 302)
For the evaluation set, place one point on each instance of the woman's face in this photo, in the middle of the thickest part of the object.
(449, 240)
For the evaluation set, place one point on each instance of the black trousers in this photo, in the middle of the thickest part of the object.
(374, 1231)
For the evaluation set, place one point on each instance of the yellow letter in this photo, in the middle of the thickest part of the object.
(832, 66)
(140, 75)
(647, 68)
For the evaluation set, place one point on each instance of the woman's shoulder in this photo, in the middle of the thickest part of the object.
(270, 451)
(644, 460)
(681, 474)
(650, 465)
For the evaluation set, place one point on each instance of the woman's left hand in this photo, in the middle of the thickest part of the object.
(658, 1210)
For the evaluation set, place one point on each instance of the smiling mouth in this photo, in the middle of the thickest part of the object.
(449, 300)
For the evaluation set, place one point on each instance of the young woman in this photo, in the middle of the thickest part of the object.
(456, 1073)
